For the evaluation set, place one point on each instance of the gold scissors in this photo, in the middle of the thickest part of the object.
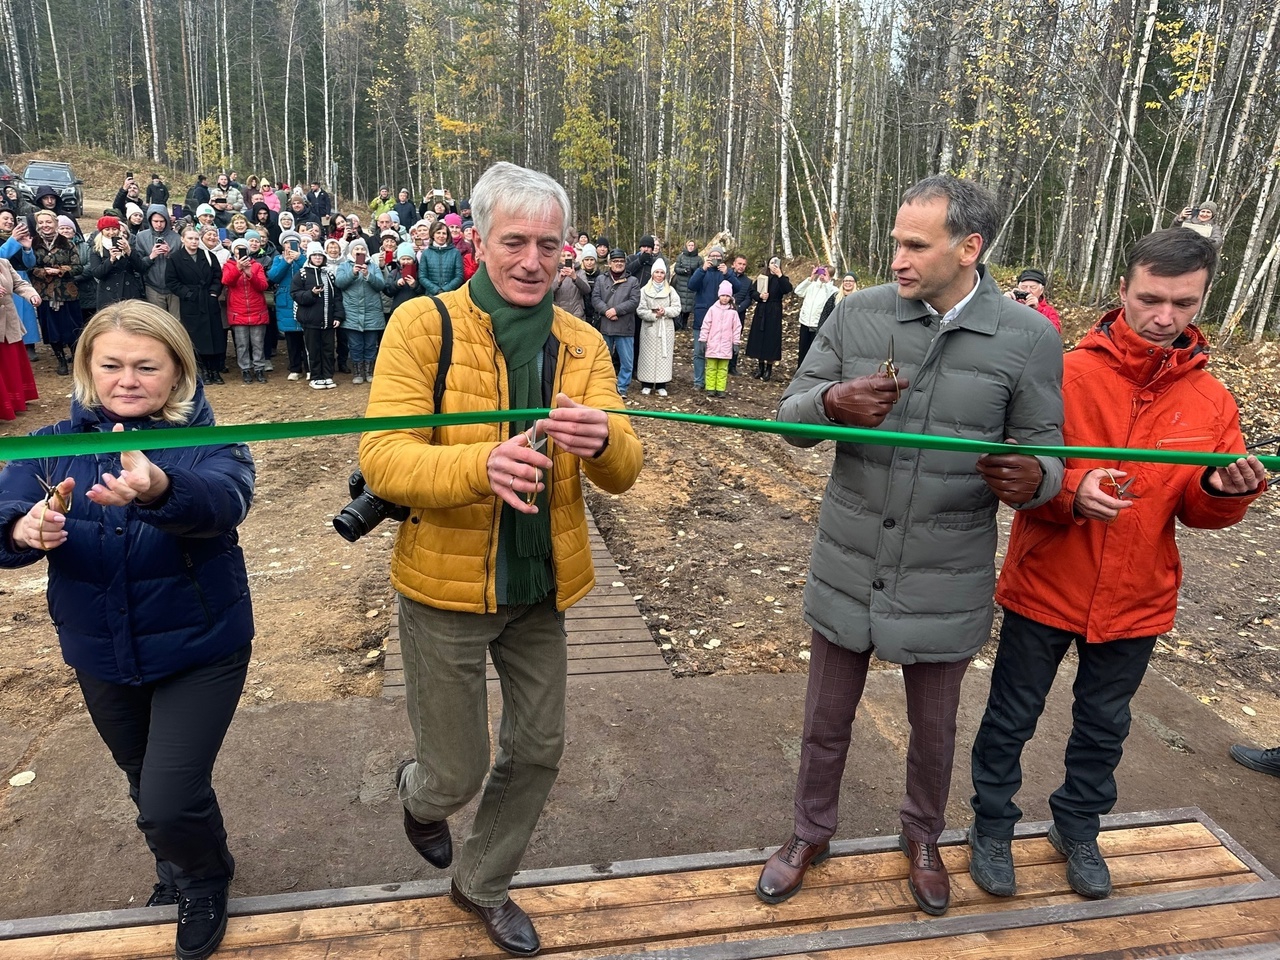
(535, 444)
(890, 370)
(1121, 490)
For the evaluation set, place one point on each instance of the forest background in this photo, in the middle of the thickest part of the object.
(793, 124)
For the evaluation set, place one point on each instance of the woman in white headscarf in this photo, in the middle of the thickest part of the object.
(659, 307)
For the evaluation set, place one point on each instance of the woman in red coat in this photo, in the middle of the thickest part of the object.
(247, 314)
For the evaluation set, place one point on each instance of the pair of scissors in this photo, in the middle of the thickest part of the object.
(1121, 490)
(890, 370)
(540, 445)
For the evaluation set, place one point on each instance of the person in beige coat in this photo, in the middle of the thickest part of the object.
(659, 306)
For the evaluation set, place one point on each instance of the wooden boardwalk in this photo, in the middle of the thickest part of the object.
(1182, 888)
(605, 629)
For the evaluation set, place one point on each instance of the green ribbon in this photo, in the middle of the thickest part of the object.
(64, 445)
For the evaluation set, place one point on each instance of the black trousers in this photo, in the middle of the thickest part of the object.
(165, 736)
(1107, 676)
(319, 352)
(807, 335)
(297, 351)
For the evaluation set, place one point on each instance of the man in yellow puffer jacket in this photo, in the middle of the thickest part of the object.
(495, 547)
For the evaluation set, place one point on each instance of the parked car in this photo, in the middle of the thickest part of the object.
(48, 173)
(7, 176)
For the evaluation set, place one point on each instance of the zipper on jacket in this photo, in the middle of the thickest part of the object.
(497, 511)
(195, 584)
(1177, 441)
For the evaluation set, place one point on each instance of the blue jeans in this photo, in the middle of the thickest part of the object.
(625, 345)
(364, 345)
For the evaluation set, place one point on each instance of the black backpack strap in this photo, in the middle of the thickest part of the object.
(446, 353)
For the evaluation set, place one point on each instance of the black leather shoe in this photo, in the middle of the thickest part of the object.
(163, 895)
(783, 873)
(246, 376)
(201, 923)
(506, 924)
(432, 840)
(991, 864)
(1086, 870)
(216, 378)
(260, 376)
(1264, 761)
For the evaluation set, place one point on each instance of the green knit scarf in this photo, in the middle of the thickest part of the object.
(521, 333)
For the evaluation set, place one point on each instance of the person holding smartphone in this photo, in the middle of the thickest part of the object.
(361, 282)
(150, 255)
(111, 264)
(284, 267)
(246, 286)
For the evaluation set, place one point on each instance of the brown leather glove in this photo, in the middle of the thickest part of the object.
(1013, 477)
(863, 401)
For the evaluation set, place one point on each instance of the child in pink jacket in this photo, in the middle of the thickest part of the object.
(721, 329)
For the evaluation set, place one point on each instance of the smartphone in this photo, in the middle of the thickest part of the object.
(361, 258)
(222, 233)
(437, 193)
(291, 245)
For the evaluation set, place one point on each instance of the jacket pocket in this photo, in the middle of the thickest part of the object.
(1184, 443)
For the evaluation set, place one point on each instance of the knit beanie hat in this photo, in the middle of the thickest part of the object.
(406, 250)
(314, 249)
(658, 264)
(725, 289)
(452, 219)
(287, 235)
(65, 221)
(131, 208)
(107, 222)
(252, 235)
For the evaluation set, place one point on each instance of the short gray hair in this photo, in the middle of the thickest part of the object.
(516, 191)
(970, 208)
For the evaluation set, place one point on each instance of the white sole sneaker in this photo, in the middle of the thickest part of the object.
(317, 384)
(329, 384)
(646, 391)
(294, 376)
(661, 392)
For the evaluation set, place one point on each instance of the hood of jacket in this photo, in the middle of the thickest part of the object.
(1140, 361)
(158, 208)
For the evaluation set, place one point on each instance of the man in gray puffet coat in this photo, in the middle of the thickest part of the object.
(903, 563)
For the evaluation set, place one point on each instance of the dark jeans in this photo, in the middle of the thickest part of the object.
(1107, 676)
(344, 347)
(165, 736)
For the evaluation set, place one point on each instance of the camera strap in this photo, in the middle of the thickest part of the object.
(446, 353)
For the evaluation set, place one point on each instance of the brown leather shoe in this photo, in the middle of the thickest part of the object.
(927, 876)
(506, 924)
(432, 840)
(784, 872)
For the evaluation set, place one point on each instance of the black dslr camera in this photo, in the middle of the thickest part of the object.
(365, 511)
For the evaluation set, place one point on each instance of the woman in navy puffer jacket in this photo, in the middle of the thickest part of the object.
(148, 591)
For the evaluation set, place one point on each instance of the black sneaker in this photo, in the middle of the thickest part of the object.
(1264, 761)
(261, 376)
(1086, 870)
(246, 376)
(163, 895)
(991, 864)
(201, 923)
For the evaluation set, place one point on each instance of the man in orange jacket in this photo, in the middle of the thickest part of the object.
(1097, 566)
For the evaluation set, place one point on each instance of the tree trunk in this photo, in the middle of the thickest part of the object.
(728, 140)
(1119, 202)
(788, 14)
(16, 71)
(1249, 257)
(57, 63)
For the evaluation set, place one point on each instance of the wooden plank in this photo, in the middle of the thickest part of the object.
(577, 651)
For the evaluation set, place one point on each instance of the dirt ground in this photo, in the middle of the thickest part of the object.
(713, 540)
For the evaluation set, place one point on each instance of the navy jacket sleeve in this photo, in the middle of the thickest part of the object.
(208, 498)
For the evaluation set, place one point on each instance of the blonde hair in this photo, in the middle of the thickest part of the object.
(142, 319)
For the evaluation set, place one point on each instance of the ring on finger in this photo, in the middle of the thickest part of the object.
(512, 482)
